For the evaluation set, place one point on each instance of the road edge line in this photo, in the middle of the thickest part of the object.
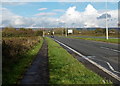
(94, 63)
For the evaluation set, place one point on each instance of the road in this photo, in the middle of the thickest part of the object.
(104, 54)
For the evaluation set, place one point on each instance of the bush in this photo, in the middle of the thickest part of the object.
(18, 53)
(15, 46)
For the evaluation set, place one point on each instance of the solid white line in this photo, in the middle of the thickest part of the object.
(94, 63)
(110, 49)
(112, 67)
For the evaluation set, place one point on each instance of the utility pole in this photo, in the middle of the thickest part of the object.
(106, 23)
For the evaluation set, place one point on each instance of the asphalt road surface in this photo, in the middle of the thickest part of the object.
(104, 54)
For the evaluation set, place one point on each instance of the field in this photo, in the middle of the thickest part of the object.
(17, 55)
(65, 69)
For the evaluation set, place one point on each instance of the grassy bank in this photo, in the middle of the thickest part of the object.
(65, 69)
(117, 41)
(14, 71)
(96, 35)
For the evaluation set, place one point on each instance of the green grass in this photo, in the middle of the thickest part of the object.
(15, 74)
(97, 35)
(65, 69)
(117, 41)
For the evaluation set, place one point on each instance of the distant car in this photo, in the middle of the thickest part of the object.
(52, 36)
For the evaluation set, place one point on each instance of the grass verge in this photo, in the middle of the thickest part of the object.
(15, 74)
(65, 69)
(117, 41)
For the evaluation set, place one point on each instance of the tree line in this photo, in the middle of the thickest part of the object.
(21, 32)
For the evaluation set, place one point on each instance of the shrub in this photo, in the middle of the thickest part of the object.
(15, 46)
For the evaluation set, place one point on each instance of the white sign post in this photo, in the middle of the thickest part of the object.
(53, 32)
(70, 31)
(66, 32)
(43, 33)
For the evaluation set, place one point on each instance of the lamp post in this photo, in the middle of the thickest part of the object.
(106, 23)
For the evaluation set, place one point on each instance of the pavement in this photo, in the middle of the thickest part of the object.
(104, 54)
(38, 72)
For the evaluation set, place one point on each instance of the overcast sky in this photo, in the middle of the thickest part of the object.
(58, 14)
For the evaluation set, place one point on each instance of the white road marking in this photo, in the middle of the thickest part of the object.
(110, 49)
(107, 64)
(90, 56)
(112, 67)
(94, 63)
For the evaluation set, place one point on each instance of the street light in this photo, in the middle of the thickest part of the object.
(106, 23)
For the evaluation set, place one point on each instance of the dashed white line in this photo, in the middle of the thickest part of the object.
(94, 63)
(110, 49)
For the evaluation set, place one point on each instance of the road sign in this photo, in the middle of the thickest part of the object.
(70, 31)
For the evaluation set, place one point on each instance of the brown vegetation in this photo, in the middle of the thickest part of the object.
(22, 32)
(15, 46)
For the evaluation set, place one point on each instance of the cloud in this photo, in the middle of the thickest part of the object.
(46, 14)
(90, 10)
(42, 9)
(88, 18)
(14, 3)
(80, 19)
(59, 10)
(70, 18)
(103, 16)
(11, 19)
